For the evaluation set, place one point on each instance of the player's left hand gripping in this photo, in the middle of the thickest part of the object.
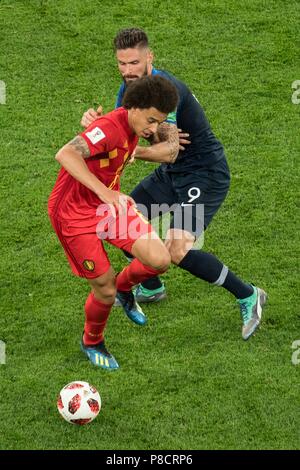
(183, 139)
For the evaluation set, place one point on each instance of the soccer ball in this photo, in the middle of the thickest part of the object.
(79, 402)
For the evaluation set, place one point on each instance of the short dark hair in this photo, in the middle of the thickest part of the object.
(130, 38)
(151, 91)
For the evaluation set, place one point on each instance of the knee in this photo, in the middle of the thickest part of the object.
(106, 291)
(109, 293)
(177, 253)
(160, 261)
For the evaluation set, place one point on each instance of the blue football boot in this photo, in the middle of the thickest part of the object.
(99, 356)
(251, 311)
(131, 307)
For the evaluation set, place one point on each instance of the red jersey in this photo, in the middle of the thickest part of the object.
(111, 143)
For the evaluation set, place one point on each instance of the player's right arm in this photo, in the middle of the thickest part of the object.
(72, 157)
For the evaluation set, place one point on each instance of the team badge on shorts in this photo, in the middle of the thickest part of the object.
(89, 265)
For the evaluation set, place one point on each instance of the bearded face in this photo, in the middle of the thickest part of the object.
(134, 63)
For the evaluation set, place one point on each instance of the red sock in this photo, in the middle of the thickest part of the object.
(135, 273)
(96, 315)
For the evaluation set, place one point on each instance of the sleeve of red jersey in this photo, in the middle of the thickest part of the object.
(101, 136)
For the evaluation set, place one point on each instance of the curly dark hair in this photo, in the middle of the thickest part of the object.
(130, 38)
(151, 91)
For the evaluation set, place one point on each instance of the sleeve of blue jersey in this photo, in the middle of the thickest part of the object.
(120, 96)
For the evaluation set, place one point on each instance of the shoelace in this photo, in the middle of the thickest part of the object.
(102, 349)
(244, 311)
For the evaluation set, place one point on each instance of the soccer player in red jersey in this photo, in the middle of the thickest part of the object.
(86, 206)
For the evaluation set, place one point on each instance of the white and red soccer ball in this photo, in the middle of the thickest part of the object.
(79, 402)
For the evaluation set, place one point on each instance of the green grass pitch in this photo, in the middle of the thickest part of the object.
(187, 380)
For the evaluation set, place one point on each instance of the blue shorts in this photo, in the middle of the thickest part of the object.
(192, 198)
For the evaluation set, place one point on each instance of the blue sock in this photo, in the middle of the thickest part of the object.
(207, 267)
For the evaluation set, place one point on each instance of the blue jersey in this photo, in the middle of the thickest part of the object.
(205, 149)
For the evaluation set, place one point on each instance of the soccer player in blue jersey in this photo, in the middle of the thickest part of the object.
(199, 177)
